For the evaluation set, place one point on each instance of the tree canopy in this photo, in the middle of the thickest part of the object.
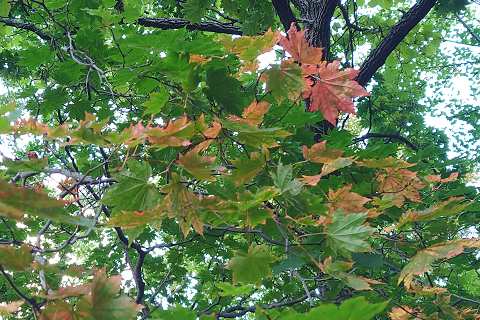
(254, 159)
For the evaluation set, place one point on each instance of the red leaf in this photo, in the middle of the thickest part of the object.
(333, 91)
(298, 47)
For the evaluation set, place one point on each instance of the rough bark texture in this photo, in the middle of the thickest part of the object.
(316, 16)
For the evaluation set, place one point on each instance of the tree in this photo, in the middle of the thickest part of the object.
(159, 151)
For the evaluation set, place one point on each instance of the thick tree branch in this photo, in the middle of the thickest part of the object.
(177, 23)
(397, 33)
(285, 13)
(386, 135)
(26, 26)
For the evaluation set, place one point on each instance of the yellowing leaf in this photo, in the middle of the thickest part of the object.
(389, 162)
(132, 219)
(15, 259)
(336, 164)
(253, 114)
(247, 169)
(250, 267)
(347, 234)
(423, 260)
(350, 201)
(104, 301)
(402, 313)
(285, 81)
(68, 292)
(59, 310)
(319, 153)
(296, 44)
(229, 289)
(198, 166)
(173, 134)
(333, 91)
(181, 204)
(311, 180)
(249, 48)
(253, 136)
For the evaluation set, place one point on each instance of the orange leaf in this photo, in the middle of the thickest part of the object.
(310, 180)
(350, 201)
(173, 134)
(68, 292)
(6, 308)
(318, 153)
(333, 91)
(403, 313)
(296, 44)
(423, 260)
(249, 48)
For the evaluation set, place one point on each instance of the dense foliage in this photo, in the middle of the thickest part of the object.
(154, 167)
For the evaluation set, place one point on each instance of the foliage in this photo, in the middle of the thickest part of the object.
(155, 167)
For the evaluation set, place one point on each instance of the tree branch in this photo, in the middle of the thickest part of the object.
(177, 23)
(472, 33)
(26, 26)
(397, 33)
(386, 135)
(285, 13)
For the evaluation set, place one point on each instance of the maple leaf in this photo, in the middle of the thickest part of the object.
(334, 165)
(253, 114)
(333, 91)
(132, 219)
(198, 166)
(249, 48)
(247, 169)
(441, 209)
(15, 259)
(131, 136)
(389, 162)
(350, 201)
(14, 306)
(283, 181)
(402, 313)
(104, 302)
(60, 310)
(231, 290)
(311, 180)
(338, 270)
(251, 208)
(347, 234)
(296, 44)
(133, 190)
(173, 134)
(250, 267)
(253, 136)
(68, 292)
(15, 202)
(285, 81)
(318, 153)
(182, 204)
(424, 259)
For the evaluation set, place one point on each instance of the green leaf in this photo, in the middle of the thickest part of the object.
(352, 309)
(194, 10)
(285, 81)
(366, 260)
(15, 259)
(133, 191)
(198, 166)
(247, 169)
(283, 180)
(15, 202)
(4, 8)
(250, 267)
(157, 101)
(36, 165)
(292, 262)
(231, 290)
(252, 135)
(225, 90)
(347, 234)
